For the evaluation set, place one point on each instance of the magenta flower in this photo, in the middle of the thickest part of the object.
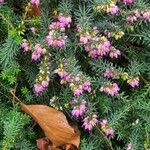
(84, 40)
(134, 82)
(86, 86)
(109, 132)
(79, 110)
(110, 89)
(113, 9)
(35, 57)
(128, 1)
(90, 122)
(38, 89)
(25, 46)
(146, 15)
(77, 91)
(65, 20)
(35, 2)
(106, 128)
(108, 73)
(1, 1)
(131, 19)
(114, 53)
(65, 76)
(45, 84)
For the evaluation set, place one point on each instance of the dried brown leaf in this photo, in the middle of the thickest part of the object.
(54, 125)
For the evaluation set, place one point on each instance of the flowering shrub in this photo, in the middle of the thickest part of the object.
(90, 59)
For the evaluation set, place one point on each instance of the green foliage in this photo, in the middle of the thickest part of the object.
(128, 113)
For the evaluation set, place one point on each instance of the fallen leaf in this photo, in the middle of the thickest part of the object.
(54, 125)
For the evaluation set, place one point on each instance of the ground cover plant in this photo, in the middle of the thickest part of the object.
(75, 74)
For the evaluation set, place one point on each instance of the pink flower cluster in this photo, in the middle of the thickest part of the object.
(40, 87)
(136, 15)
(90, 122)
(113, 9)
(111, 89)
(146, 15)
(64, 76)
(56, 37)
(38, 52)
(35, 2)
(128, 1)
(25, 45)
(110, 73)
(79, 109)
(134, 82)
(109, 132)
(78, 87)
(77, 83)
(97, 46)
(1, 1)
(42, 80)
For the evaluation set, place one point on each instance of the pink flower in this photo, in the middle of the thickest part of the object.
(77, 79)
(65, 76)
(79, 110)
(45, 84)
(108, 73)
(128, 1)
(109, 132)
(25, 46)
(38, 49)
(113, 9)
(131, 19)
(110, 89)
(134, 82)
(86, 86)
(106, 128)
(146, 15)
(129, 147)
(78, 92)
(114, 53)
(38, 89)
(35, 2)
(1, 1)
(84, 40)
(90, 122)
(35, 57)
(65, 20)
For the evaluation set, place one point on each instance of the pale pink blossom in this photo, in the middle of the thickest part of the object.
(106, 128)
(35, 57)
(90, 122)
(1, 1)
(38, 89)
(79, 110)
(25, 46)
(111, 89)
(65, 20)
(45, 83)
(113, 9)
(128, 1)
(114, 53)
(35, 2)
(86, 86)
(146, 15)
(134, 82)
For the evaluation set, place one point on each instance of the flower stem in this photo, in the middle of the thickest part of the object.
(108, 142)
